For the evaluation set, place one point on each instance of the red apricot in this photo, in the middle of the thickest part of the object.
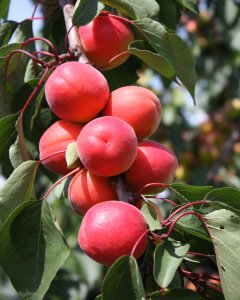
(56, 139)
(86, 190)
(111, 229)
(155, 163)
(107, 146)
(104, 38)
(137, 106)
(76, 92)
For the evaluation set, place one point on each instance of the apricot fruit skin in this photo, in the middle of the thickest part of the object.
(107, 146)
(137, 106)
(56, 138)
(104, 38)
(155, 163)
(86, 190)
(76, 92)
(111, 229)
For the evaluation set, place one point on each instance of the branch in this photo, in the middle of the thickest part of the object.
(121, 191)
(75, 46)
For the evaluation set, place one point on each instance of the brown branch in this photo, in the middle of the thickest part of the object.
(120, 188)
(75, 46)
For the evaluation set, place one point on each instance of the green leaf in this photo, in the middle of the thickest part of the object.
(171, 47)
(24, 32)
(190, 193)
(146, 53)
(152, 215)
(32, 248)
(169, 13)
(177, 294)
(18, 152)
(118, 283)
(228, 198)
(167, 258)
(4, 7)
(8, 134)
(6, 49)
(136, 279)
(17, 189)
(191, 224)
(6, 31)
(189, 4)
(85, 11)
(224, 226)
(135, 9)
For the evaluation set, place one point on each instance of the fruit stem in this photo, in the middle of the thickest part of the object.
(164, 223)
(139, 240)
(120, 188)
(59, 181)
(74, 42)
(173, 224)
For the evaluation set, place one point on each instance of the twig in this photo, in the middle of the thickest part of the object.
(75, 46)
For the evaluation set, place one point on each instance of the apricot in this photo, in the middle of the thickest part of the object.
(56, 139)
(111, 229)
(107, 146)
(86, 190)
(137, 106)
(76, 92)
(104, 38)
(155, 163)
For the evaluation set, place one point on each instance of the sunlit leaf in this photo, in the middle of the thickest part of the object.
(32, 248)
(224, 226)
(135, 9)
(17, 189)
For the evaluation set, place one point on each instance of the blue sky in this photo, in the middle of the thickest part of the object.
(22, 9)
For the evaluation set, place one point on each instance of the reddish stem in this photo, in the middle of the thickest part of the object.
(113, 59)
(35, 8)
(164, 223)
(154, 184)
(42, 40)
(52, 154)
(173, 224)
(199, 254)
(59, 181)
(43, 77)
(163, 199)
(139, 240)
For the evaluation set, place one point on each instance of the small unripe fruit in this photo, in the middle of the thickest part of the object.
(137, 106)
(107, 146)
(86, 190)
(76, 92)
(111, 229)
(55, 139)
(104, 38)
(155, 163)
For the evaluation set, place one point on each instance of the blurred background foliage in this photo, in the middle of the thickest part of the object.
(205, 136)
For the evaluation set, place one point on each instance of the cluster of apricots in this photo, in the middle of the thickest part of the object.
(109, 131)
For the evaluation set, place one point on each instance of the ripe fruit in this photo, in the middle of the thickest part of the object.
(76, 92)
(86, 190)
(104, 38)
(137, 106)
(107, 146)
(56, 138)
(111, 229)
(155, 163)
